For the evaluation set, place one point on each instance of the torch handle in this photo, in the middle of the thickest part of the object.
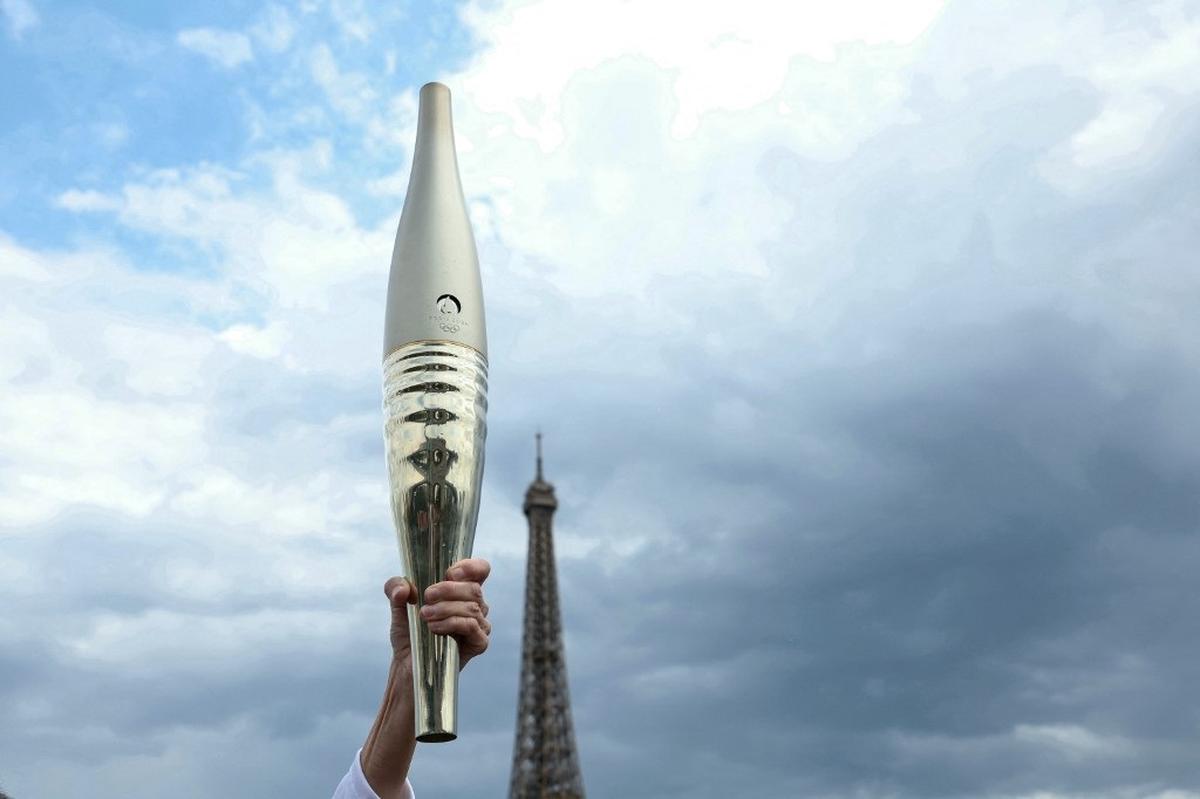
(435, 681)
(435, 405)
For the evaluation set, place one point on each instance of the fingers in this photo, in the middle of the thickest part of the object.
(472, 570)
(453, 607)
(399, 592)
(472, 634)
(445, 610)
(456, 607)
(451, 591)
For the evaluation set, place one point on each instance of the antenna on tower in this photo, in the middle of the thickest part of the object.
(539, 455)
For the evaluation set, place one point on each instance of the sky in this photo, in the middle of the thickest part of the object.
(863, 337)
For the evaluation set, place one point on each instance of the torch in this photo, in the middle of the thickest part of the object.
(435, 397)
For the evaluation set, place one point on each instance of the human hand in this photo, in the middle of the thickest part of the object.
(453, 607)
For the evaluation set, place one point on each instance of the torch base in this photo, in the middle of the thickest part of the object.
(436, 737)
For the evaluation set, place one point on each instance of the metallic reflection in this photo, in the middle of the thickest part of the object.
(435, 404)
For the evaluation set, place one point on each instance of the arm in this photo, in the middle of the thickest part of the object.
(452, 607)
(388, 751)
(387, 754)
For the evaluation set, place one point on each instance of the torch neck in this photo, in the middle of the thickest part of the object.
(434, 159)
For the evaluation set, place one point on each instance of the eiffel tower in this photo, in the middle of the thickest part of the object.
(545, 761)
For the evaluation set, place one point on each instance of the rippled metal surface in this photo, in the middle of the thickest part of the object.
(435, 405)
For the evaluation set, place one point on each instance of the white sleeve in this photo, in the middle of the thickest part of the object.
(354, 785)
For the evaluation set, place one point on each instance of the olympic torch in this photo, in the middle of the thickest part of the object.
(435, 397)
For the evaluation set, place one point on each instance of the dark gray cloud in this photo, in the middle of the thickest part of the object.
(923, 552)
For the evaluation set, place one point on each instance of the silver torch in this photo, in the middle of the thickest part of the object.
(434, 397)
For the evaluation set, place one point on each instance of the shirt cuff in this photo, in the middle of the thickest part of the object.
(355, 786)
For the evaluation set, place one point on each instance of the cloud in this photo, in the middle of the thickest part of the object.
(352, 18)
(293, 241)
(1133, 793)
(719, 57)
(21, 15)
(1072, 740)
(85, 200)
(266, 342)
(347, 91)
(118, 400)
(1141, 85)
(853, 348)
(864, 343)
(227, 49)
(275, 30)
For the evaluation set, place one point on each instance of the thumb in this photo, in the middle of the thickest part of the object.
(400, 594)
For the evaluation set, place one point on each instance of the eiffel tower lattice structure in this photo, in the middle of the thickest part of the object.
(545, 760)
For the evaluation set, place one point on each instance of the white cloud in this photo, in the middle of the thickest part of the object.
(160, 362)
(96, 411)
(1143, 76)
(718, 56)
(20, 264)
(352, 17)
(1120, 132)
(26, 340)
(260, 342)
(227, 49)
(296, 242)
(275, 29)
(111, 134)
(320, 503)
(70, 448)
(349, 92)
(641, 128)
(68, 445)
(21, 15)
(85, 200)
(1073, 740)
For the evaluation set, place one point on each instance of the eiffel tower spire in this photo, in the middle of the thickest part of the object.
(539, 478)
(545, 761)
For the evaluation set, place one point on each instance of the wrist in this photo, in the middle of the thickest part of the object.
(401, 665)
(396, 710)
(388, 750)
